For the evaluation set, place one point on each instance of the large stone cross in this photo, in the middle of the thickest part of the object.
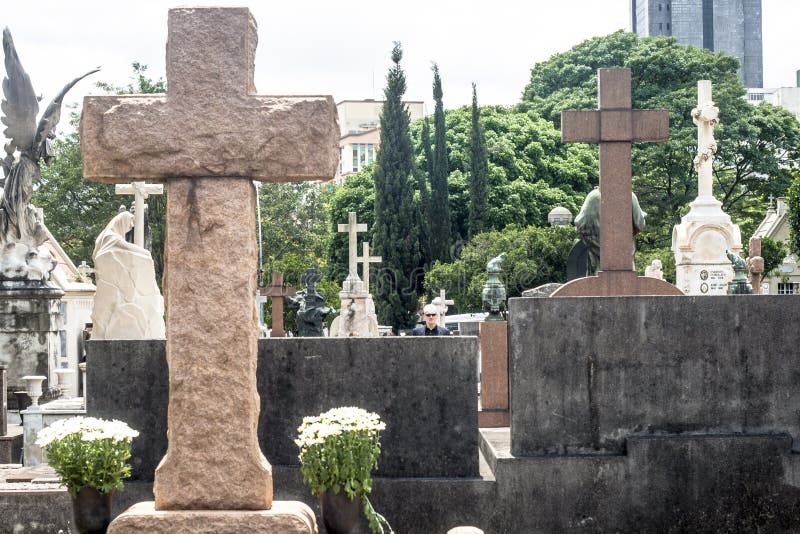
(208, 137)
(277, 291)
(615, 125)
(365, 260)
(352, 228)
(140, 192)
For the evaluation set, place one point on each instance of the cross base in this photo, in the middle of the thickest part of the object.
(616, 283)
(284, 517)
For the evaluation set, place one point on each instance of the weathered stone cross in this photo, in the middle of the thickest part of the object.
(615, 125)
(352, 228)
(208, 137)
(277, 291)
(140, 192)
(365, 260)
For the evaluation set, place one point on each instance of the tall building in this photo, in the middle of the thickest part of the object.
(730, 26)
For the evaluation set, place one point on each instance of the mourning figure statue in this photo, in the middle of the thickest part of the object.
(28, 143)
(587, 223)
(310, 306)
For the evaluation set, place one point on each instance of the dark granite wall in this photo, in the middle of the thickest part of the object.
(425, 389)
(591, 372)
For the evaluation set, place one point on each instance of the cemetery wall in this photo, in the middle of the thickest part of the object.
(591, 372)
(425, 389)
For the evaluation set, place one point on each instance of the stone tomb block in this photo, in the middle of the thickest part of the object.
(425, 389)
(598, 370)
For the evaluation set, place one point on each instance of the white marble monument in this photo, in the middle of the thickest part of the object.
(699, 242)
(357, 316)
(128, 303)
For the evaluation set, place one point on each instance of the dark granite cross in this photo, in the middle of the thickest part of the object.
(615, 125)
(277, 291)
(208, 138)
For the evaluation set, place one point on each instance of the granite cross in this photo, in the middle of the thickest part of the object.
(277, 291)
(208, 138)
(140, 192)
(615, 125)
(365, 260)
(352, 228)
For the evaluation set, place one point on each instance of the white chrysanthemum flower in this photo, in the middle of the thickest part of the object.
(87, 429)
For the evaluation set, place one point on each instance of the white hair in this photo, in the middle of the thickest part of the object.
(430, 308)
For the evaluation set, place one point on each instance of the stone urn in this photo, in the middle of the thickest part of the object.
(340, 515)
(34, 389)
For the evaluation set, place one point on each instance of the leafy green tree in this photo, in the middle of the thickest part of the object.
(479, 172)
(793, 203)
(396, 229)
(758, 145)
(439, 214)
(773, 253)
(529, 170)
(534, 256)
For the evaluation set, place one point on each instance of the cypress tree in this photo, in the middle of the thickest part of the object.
(479, 173)
(423, 177)
(439, 215)
(396, 233)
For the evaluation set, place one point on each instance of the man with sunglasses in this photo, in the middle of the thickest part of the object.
(430, 328)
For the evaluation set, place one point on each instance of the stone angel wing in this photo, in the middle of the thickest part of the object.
(20, 105)
(51, 116)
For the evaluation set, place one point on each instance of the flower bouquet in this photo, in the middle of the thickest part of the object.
(338, 451)
(90, 456)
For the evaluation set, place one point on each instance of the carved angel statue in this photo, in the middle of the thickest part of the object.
(28, 142)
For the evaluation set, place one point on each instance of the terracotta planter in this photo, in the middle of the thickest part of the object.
(91, 511)
(340, 515)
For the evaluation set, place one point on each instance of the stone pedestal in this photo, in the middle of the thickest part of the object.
(32, 422)
(357, 316)
(494, 374)
(283, 517)
(29, 333)
(699, 243)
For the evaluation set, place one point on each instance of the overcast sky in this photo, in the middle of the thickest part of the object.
(342, 48)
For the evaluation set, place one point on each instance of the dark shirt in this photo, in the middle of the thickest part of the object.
(423, 330)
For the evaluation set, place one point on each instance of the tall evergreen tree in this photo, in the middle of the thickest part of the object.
(423, 178)
(479, 173)
(439, 215)
(396, 233)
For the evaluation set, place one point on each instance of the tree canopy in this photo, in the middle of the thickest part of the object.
(758, 145)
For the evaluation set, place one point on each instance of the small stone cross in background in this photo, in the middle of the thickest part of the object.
(277, 291)
(140, 191)
(442, 302)
(365, 260)
(352, 228)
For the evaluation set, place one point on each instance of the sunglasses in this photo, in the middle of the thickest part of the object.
(430, 315)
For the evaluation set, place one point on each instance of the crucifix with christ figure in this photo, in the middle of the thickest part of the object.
(615, 125)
